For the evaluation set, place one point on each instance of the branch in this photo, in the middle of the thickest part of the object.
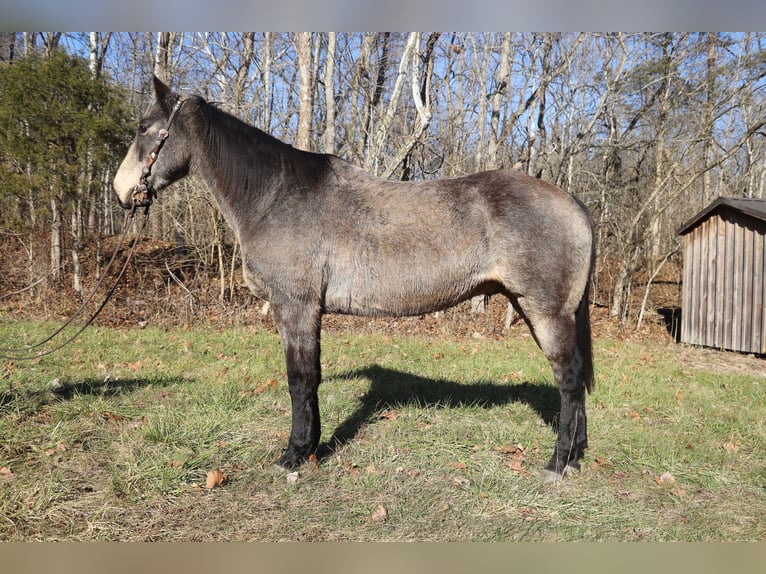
(380, 136)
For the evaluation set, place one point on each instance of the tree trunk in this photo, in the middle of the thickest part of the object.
(356, 136)
(266, 63)
(503, 81)
(381, 134)
(303, 49)
(163, 69)
(328, 139)
(76, 238)
(55, 237)
(483, 67)
(243, 71)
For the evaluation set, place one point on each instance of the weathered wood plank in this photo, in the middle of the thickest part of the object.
(737, 297)
(728, 317)
(757, 345)
(747, 290)
(720, 273)
(704, 277)
(686, 288)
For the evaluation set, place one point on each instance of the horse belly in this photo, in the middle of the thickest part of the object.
(401, 290)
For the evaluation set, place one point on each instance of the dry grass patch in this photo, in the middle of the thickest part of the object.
(423, 440)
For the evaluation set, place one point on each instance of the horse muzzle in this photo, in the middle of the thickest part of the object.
(141, 196)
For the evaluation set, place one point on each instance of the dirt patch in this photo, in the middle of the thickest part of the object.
(726, 362)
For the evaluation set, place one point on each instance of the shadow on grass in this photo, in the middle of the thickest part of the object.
(390, 388)
(63, 390)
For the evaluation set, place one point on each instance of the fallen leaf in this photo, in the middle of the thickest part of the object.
(113, 417)
(665, 478)
(678, 395)
(634, 415)
(215, 478)
(508, 449)
(268, 385)
(516, 453)
(390, 415)
(457, 465)
(354, 470)
(175, 463)
(731, 446)
(380, 515)
(135, 366)
(6, 471)
(313, 462)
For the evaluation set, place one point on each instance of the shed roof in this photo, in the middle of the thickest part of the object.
(752, 207)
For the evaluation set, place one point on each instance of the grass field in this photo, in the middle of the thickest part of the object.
(441, 439)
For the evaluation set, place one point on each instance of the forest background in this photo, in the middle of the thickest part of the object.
(645, 128)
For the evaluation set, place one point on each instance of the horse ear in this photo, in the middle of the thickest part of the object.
(162, 93)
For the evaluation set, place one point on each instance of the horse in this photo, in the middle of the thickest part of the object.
(320, 235)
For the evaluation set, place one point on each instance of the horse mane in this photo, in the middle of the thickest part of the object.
(251, 160)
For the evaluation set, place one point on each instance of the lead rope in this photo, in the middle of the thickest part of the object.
(23, 354)
(142, 197)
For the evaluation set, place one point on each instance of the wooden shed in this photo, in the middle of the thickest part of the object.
(723, 301)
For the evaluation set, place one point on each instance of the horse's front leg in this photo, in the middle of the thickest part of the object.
(299, 324)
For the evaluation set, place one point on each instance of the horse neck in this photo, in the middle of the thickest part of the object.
(225, 155)
(247, 169)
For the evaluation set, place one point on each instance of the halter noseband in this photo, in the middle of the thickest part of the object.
(143, 194)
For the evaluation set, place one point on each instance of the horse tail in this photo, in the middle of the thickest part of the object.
(583, 331)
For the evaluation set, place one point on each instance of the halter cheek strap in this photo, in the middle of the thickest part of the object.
(143, 194)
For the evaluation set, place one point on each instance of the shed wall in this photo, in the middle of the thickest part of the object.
(723, 294)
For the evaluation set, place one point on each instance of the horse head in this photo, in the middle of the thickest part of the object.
(155, 158)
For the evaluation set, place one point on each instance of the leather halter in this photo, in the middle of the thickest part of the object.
(143, 194)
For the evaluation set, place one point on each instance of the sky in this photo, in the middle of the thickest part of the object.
(388, 15)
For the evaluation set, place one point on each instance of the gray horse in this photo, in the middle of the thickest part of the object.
(319, 235)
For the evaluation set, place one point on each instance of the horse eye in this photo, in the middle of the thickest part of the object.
(142, 128)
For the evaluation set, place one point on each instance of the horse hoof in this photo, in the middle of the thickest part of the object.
(280, 469)
(550, 476)
(553, 476)
(291, 461)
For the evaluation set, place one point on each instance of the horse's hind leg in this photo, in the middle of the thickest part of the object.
(556, 336)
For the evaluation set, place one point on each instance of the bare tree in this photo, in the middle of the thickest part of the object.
(502, 85)
(328, 140)
(303, 49)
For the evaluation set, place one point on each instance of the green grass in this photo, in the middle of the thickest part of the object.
(122, 449)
